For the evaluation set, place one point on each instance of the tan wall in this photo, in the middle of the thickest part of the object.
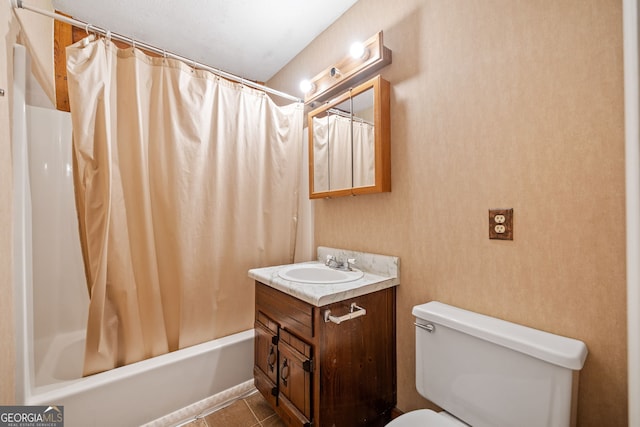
(498, 104)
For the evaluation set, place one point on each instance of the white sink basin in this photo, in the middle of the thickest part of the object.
(318, 274)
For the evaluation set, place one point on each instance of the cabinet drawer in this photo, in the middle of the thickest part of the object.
(296, 343)
(266, 322)
(292, 314)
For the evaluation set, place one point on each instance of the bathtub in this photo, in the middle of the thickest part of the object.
(51, 301)
(165, 390)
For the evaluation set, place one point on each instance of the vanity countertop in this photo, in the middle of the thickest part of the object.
(380, 272)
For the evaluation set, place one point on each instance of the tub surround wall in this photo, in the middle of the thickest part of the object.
(8, 34)
(57, 267)
(41, 39)
(497, 104)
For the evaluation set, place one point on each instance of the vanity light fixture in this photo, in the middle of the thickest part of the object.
(362, 62)
(359, 51)
(307, 87)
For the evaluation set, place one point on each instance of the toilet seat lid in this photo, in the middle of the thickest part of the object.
(424, 418)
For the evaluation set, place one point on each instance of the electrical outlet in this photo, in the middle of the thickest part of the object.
(501, 224)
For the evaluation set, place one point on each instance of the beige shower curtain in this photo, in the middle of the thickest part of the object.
(184, 181)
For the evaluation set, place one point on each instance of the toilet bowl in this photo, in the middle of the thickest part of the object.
(487, 372)
(426, 418)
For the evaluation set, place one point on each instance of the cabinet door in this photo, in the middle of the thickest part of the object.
(295, 372)
(358, 365)
(266, 348)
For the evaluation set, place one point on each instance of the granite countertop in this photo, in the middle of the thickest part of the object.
(380, 272)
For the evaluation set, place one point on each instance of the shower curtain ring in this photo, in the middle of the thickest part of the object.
(85, 40)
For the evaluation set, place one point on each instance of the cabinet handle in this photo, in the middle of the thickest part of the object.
(354, 311)
(271, 358)
(284, 372)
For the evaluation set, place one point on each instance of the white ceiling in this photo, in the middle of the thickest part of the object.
(250, 38)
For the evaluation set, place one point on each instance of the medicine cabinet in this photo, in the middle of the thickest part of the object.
(349, 143)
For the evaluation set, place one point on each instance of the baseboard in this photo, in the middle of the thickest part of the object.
(204, 406)
(395, 413)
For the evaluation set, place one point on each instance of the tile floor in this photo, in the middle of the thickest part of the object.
(252, 411)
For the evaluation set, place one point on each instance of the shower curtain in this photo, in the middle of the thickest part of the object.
(184, 181)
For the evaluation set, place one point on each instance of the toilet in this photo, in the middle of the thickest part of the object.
(486, 372)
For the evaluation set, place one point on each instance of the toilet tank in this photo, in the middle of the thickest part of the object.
(489, 372)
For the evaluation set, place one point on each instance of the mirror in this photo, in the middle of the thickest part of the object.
(349, 151)
(331, 136)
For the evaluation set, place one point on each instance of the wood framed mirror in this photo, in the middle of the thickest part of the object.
(349, 143)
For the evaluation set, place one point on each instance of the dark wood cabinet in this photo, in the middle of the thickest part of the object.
(322, 374)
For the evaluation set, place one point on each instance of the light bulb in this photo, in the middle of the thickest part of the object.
(307, 87)
(359, 51)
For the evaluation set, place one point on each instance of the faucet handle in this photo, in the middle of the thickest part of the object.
(350, 262)
(329, 259)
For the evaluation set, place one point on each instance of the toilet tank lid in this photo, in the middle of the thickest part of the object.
(558, 350)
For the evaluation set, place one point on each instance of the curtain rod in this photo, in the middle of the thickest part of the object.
(348, 116)
(91, 28)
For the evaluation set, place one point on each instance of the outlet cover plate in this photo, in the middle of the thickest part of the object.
(505, 222)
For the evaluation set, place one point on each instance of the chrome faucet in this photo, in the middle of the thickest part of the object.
(333, 262)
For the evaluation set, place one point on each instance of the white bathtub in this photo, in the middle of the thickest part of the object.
(51, 300)
(169, 389)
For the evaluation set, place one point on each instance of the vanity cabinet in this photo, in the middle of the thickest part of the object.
(322, 374)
